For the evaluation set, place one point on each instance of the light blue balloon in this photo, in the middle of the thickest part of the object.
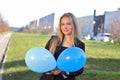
(40, 60)
(71, 59)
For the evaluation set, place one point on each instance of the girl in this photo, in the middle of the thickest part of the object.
(66, 37)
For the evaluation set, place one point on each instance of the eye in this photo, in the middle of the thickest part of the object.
(62, 24)
(68, 23)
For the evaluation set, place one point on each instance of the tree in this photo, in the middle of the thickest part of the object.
(115, 30)
(3, 25)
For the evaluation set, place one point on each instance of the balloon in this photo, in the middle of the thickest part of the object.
(40, 60)
(71, 59)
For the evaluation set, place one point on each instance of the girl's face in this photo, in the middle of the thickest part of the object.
(66, 25)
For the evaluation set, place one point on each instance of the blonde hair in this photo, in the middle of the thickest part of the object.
(58, 40)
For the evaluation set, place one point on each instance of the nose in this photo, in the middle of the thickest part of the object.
(65, 26)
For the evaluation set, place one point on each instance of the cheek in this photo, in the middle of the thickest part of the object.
(70, 31)
(67, 29)
(62, 28)
(70, 28)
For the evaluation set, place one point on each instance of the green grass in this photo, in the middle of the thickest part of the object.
(103, 59)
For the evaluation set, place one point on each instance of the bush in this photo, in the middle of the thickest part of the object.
(115, 30)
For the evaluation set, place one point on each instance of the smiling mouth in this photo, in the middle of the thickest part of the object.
(65, 30)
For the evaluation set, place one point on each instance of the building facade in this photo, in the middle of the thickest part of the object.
(88, 25)
(111, 18)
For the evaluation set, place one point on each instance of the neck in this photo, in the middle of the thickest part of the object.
(67, 38)
(68, 42)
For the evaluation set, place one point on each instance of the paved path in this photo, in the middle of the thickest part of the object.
(4, 40)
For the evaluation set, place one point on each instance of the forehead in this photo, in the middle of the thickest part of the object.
(66, 18)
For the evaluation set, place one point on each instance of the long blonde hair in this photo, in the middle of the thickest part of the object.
(58, 40)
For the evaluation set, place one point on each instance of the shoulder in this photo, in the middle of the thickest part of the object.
(80, 44)
(50, 41)
(53, 37)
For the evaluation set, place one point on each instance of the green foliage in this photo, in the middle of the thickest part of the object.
(15, 67)
(102, 59)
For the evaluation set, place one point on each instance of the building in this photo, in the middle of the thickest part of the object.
(85, 26)
(88, 25)
(47, 21)
(111, 18)
(92, 25)
(33, 23)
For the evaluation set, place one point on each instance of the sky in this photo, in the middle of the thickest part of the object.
(18, 13)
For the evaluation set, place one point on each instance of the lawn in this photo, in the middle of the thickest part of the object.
(103, 59)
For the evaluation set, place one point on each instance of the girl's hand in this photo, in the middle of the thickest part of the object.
(56, 71)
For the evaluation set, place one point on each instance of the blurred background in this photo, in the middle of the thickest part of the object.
(98, 20)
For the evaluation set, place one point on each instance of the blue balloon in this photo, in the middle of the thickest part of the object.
(71, 59)
(40, 60)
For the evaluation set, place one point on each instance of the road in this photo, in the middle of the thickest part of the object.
(4, 41)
